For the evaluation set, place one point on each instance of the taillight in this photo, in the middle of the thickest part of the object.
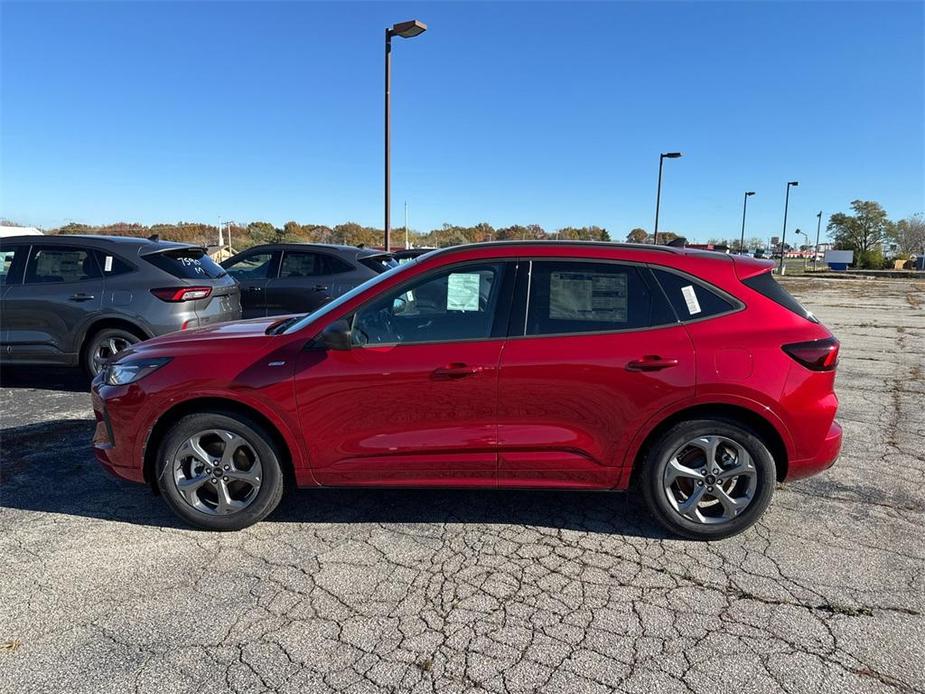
(818, 355)
(175, 294)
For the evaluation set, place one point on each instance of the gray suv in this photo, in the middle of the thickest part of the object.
(78, 300)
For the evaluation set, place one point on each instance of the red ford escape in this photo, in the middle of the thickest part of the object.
(691, 376)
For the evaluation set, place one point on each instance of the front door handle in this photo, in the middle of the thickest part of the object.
(651, 362)
(320, 288)
(81, 297)
(456, 370)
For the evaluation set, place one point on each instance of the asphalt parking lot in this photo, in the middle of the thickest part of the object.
(419, 591)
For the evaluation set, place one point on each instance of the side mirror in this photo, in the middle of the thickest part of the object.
(336, 336)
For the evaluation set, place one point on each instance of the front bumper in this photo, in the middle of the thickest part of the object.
(115, 457)
(823, 459)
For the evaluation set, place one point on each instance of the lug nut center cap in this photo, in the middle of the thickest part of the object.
(711, 479)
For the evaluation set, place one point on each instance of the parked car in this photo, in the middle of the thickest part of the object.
(79, 300)
(692, 375)
(278, 279)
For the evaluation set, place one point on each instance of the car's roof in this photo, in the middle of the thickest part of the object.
(330, 247)
(99, 240)
(565, 245)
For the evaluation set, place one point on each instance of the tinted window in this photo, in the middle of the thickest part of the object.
(334, 266)
(301, 265)
(690, 299)
(766, 285)
(112, 264)
(380, 263)
(61, 264)
(7, 255)
(578, 297)
(252, 267)
(457, 304)
(187, 263)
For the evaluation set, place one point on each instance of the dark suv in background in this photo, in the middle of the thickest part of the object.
(69, 300)
(277, 279)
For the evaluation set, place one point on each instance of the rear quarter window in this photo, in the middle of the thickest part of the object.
(691, 300)
(186, 263)
(767, 286)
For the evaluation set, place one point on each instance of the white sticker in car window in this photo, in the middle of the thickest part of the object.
(690, 298)
(462, 291)
(108, 264)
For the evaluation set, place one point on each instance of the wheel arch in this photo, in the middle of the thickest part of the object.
(104, 322)
(215, 405)
(762, 426)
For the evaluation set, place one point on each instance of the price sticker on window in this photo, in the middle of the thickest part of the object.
(690, 298)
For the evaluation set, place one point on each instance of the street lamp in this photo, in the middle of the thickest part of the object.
(780, 269)
(658, 195)
(406, 30)
(816, 247)
(744, 205)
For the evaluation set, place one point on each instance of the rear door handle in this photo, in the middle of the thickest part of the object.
(651, 362)
(320, 288)
(455, 371)
(81, 297)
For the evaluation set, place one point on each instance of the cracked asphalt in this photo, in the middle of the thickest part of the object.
(102, 590)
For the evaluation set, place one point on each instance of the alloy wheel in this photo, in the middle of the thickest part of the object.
(710, 479)
(217, 472)
(106, 349)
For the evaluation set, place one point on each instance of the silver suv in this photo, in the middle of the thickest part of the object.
(77, 300)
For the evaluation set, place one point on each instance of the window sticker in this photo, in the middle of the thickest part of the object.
(690, 298)
(590, 296)
(108, 263)
(462, 291)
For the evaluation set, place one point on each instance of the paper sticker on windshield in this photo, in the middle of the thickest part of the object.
(690, 298)
(108, 263)
(462, 291)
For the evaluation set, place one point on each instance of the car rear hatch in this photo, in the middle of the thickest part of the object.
(377, 261)
(197, 281)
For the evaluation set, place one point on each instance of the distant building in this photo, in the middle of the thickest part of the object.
(18, 231)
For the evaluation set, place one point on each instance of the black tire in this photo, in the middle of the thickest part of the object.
(653, 473)
(98, 345)
(270, 489)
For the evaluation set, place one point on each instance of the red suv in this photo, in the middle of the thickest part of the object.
(690, 376)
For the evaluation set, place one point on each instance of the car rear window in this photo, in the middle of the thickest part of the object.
(186, 263)
(767, 286)
(690, 299)
(379, 263)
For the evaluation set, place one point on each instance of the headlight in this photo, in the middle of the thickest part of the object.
(131, 370)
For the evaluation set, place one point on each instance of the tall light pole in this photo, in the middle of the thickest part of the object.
(816, 247)
(744, 206)
(406, 30)
(783, 239)
(803, 233)
(658, 195)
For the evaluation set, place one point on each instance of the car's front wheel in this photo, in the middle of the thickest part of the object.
(707, 479)
(219, 471)
(104, 345)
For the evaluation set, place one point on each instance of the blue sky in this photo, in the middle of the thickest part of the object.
(548, 113)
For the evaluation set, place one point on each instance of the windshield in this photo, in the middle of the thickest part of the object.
(343, 299)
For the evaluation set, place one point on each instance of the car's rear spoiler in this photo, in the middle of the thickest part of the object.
(746, 266)
(177, 247)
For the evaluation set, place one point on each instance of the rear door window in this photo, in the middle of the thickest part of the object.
(60, 264)
(11, 260)
(300, 264)
(584, 297)
(691, 300)
(186, 263)
(255, 266)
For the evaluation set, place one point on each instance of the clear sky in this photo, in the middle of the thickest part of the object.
(548, 113)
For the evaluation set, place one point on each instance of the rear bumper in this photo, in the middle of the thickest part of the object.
(824, 458)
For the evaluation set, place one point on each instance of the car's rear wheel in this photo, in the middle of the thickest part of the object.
(104, 345)
(707, 479)
(219, 471)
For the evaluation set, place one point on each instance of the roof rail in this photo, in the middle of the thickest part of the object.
(543, 244)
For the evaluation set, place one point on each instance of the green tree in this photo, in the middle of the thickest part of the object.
(264, 232)
(909, 235)
(637, 235)
(862, 232)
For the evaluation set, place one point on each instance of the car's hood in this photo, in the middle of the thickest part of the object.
(235, 330)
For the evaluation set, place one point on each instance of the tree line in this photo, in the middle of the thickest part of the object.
(351, 233)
